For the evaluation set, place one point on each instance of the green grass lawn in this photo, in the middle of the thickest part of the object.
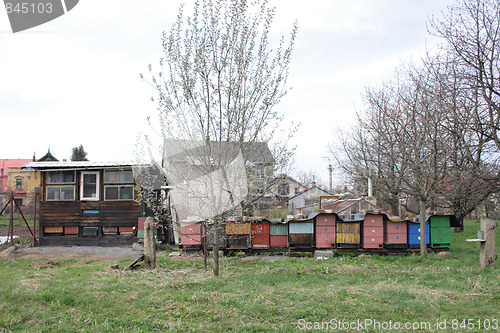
(256, 295)
(18, 220)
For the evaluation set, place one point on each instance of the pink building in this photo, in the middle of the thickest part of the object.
(5, 165)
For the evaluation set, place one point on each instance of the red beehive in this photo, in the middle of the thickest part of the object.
(125, 230)
(71, 231)
(396, 234)
(325, 230)
(260, 234)
(191, 234)
(373, 231)
(278, 234)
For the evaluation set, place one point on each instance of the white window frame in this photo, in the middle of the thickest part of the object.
(98, 185)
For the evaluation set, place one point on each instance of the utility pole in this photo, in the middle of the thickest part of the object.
(330, 173)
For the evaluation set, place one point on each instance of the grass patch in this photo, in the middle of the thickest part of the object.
(253, 295)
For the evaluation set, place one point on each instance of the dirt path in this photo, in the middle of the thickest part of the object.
(71, 252)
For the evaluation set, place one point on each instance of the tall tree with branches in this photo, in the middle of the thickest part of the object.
(218, 83)
(471, 33)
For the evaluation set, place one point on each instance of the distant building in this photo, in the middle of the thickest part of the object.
(345, 209)
(307, 197)
(280, 190)
(192, 167)
(21, 183)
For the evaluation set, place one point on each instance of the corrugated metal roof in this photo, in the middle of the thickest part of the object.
(77, 165)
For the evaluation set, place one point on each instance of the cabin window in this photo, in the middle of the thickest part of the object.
(60, 177)
(57, 186)
(119, 185)
(118, 176)
(89, 189)
(60, 193)
(119, 193)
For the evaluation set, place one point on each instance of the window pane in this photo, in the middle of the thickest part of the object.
(67, 193)
(127, 176)
(119, 176)
(60, 177)
(52, 193)
(69, 176)
(111, 176)
(90, 186)
(54, 177)
(111, 193)
(126, 192)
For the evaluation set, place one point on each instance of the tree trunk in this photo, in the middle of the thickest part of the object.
(423, 243)
(216, 247)
(461, 221)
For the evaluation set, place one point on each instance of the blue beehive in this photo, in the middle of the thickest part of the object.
(414, 234)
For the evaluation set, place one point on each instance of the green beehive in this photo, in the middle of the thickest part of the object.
(140, 233)
(440, 233)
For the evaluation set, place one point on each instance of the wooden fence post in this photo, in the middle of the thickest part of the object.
(149, 244)
(487, 248)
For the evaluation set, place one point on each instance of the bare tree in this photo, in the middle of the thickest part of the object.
(471, 31)
(217, 87)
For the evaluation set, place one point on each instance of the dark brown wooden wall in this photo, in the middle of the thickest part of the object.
(73, 213)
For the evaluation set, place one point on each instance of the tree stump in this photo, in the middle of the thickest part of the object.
(149, 244)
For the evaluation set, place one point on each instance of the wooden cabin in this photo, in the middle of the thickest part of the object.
(87, 203)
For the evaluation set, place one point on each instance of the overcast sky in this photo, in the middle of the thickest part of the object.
(75, 80)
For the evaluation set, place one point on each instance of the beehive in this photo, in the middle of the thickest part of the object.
(109, 230)
(325, 231)
(71, 231)
(301, 233)
(90, 231)
(260, 234)
(373, 231)
(348, 234)
(278, 235)
(53, 230)
(191, 234)
(414, 234)
(396, 234)
(126, 231)
(239, 234)
(210, 234)
(440, 234)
